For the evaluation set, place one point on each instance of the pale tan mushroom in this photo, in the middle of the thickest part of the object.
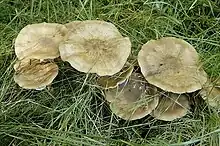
(172, 65)
(108, 82)
(91, 29)
(39, 41)
(211, 93)
(94, 46)
(33, 74)
(171, 107)
(134, 100)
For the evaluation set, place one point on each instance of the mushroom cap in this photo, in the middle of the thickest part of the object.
(33, 74)
(108, 82)
(211, 93)
(94, 46)
(171, 107)
(133, 101)
(40, 41)
(172, 65)
(90, 29)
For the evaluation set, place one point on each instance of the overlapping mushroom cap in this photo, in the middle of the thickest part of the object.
(118, 78)
(95, 46)
(172, 65)
(39, 41)
(33, 74)
(211, 93)
(171, 107)
(134, 100)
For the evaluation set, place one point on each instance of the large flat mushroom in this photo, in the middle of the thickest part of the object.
(39, 41)
(171, 107)
(95, 46)
(33, 74)
(134, 100)
(172, 65)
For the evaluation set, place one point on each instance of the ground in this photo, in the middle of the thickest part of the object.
(72, 111)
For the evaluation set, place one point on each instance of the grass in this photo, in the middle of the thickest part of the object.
(73, 111)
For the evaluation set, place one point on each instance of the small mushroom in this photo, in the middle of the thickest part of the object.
(33, 74)
(172, 65)
(133, 101)
(108, 82)
(171, 107)
(211, 93)
(95, 46)
(39, 41)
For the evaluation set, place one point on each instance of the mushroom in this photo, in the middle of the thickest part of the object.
(39, 41)
(171, 107)
(95, 46)
(211, 93)
(117, 79)
(172, 65)
(33, 74)
(134, 100)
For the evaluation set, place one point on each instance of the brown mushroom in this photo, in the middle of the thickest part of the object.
(134, 100)
(39, 41)
(172, 65)
(171, 107)
(33, 74)
(211, 93)
(95, 46)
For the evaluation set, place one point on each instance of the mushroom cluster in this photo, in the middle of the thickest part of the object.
(36, 47)
(90, 46)
(169, 68)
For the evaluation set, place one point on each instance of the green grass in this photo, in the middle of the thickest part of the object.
(73, 111)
